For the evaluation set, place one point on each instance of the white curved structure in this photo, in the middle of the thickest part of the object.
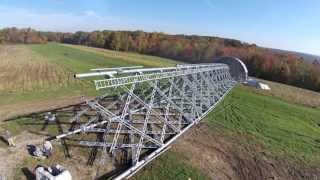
(238, 69)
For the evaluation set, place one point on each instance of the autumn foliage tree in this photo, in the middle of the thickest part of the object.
(27, 36)
(262, 63)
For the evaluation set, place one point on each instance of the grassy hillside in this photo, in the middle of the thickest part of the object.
(127, 57)
(24, 71)
(284, 122)
(42, 72)
(292, 94)
(80, 58)
(28, 67)
(283, 129)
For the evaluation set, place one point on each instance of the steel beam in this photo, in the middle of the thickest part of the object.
(154, 107)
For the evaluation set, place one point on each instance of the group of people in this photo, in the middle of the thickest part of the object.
(56, 172)
(44, 151)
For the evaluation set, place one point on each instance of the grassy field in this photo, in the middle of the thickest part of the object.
(24, 71)
(284, 121)
(283, 128)
(292, 94)
(129, 58)
(170, 166)
(35, 67)
(31, 73)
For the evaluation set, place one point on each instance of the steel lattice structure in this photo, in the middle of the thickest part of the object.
(149, 108)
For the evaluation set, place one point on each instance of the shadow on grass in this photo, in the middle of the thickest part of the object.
(3, 141)
(29, 174)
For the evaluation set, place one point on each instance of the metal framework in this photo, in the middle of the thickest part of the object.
(149, 108)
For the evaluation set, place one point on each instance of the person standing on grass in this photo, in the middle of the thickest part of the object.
(9, 138)
(49, 118)
(47, 149)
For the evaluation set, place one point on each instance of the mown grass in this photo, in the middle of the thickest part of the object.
(23, 70)
(285, 129)
(45, 71)
(81, 59)
(293, 94)
(169, 166)
(30, 124)
(43, 94)
(77, 59)
(130, 58)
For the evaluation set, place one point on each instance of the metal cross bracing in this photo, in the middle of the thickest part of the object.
(149, 109)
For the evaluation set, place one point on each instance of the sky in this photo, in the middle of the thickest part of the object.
(283, 24)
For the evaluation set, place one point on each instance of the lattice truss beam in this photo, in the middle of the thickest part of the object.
(147, 112)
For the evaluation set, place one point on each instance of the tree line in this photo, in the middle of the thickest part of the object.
(26, 35)
(262, 63)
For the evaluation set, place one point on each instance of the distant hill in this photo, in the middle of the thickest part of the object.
(307, 57)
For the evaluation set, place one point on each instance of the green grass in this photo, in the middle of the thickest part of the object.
(79, 60)
(285, 129)
(169, 166)
(31, 124)
(75, 60)
(44, 94)
(72, 59)
(128, 57)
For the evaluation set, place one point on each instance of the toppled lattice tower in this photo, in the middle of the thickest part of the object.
(148, 108)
